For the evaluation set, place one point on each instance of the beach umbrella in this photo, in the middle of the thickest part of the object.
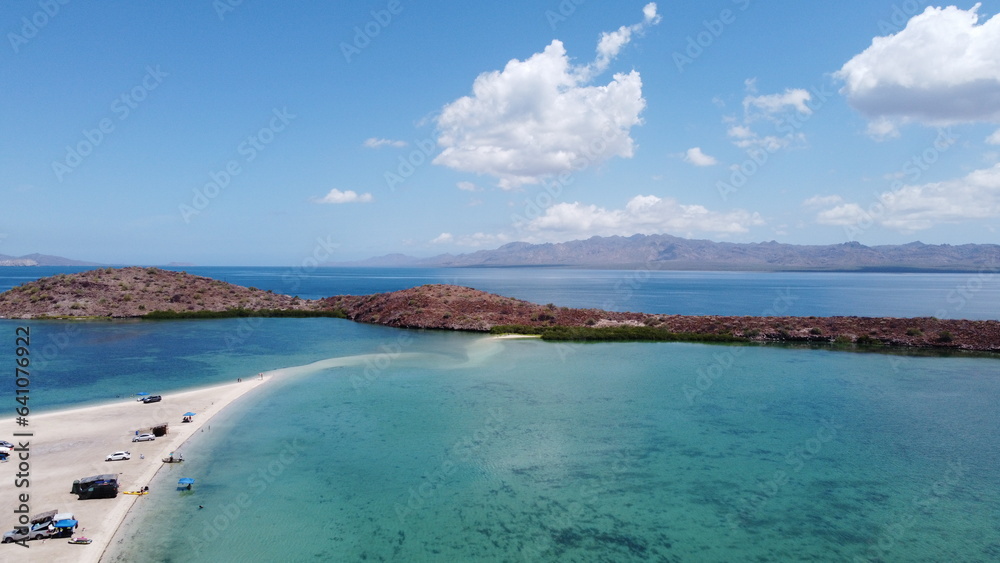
(185, 481)
(189, 414)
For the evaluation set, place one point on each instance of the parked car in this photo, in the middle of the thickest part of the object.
(117, 456)
(152, 399)
(5, 444)
(39, 531)
(144, 438)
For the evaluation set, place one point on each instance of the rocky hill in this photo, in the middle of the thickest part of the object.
(137, 292)
(134, 292)
(462, 308)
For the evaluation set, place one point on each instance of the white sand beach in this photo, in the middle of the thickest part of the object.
(73, 443)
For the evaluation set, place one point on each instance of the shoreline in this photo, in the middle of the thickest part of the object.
(97, 430)
(94, 437)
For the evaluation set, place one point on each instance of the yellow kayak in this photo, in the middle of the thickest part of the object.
(135, 492)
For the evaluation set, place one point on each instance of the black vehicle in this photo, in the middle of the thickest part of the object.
(152, 399)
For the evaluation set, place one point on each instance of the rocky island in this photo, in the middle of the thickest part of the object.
(153, 293)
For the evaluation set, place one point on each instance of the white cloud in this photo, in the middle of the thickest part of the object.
(741, 132)
(943, 67)
(822, 200)
(375, 143)
(698, 158)
(467, 187)
(882, 128)
(773, 104)
(774, 109)
(349, 196)
(473, 240)
(914, 208)
(542, 116)
(994, 139)
(642, 214)
(611, 42)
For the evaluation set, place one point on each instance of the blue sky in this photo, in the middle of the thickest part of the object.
(264, 134)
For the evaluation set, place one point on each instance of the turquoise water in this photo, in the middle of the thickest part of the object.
(455, 447)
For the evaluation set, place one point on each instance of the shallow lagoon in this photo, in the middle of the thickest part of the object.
(467, 448)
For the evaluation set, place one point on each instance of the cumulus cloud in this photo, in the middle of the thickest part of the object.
(994, 139)
(774, 109)
(918, 207)
(642, 214)
(473, 240)
(882, 128)
(773, 104)
(348, 196)
(467, 187)
(698, 158)
(543, 116)
(942, 68)
(375, 143)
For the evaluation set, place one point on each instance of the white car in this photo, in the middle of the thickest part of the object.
(144, 438)
(117, 456)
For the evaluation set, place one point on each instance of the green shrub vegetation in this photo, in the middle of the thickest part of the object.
(613, 334)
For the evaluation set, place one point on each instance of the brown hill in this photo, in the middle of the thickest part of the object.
(134, 292)
(462, 308)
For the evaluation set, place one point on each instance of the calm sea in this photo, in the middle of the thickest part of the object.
(440, 446)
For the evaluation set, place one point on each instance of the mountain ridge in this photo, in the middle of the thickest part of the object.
(668, 252)
(36, 259)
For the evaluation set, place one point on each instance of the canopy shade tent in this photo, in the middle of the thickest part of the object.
(189, 414)
(185, 481)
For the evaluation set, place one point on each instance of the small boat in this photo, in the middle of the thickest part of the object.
(174, 458)
(81, 540)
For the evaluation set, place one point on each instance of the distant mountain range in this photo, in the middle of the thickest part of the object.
(666, 252)
(41, 260)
